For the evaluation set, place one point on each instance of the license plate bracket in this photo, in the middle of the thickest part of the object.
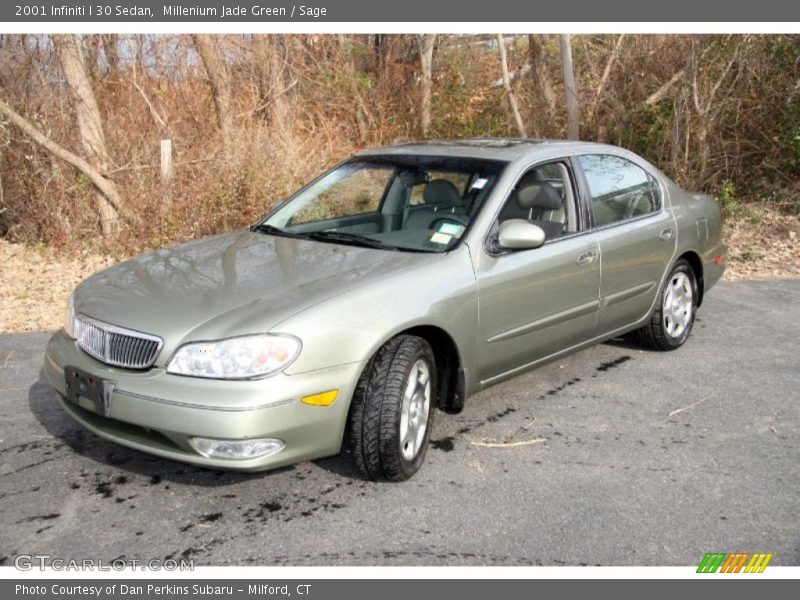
(80, 384)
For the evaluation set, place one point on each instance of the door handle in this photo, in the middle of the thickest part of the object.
(666, 234)
(587, 257)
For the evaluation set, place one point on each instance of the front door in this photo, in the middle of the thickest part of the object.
(535, 303)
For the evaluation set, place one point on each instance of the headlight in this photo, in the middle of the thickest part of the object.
(246, 357)
(69, 316)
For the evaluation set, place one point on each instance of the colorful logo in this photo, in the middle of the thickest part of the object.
(738, 562)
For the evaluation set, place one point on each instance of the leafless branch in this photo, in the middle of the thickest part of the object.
(604, 79)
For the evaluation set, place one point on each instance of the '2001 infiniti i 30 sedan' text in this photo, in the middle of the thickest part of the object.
(401, 281)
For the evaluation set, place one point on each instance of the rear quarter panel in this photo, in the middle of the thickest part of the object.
(699, 224)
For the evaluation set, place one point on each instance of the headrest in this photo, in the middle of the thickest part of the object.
(539, 195)
(442, 191)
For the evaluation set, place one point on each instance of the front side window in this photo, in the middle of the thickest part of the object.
(410, 203)
(544, 196)
(619, 189)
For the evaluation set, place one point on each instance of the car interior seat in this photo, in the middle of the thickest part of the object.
(440, 198)
(537, 202)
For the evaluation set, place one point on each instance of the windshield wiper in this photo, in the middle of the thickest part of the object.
(271, 229)
(341, 237)
(344, 237)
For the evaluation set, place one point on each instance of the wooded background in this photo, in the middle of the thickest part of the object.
(84, 120)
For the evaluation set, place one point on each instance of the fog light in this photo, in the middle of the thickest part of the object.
(236, 449)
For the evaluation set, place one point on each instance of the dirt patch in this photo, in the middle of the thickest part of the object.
(763, 243)
(37, 281)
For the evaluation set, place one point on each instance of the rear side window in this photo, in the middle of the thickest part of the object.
(619, 189)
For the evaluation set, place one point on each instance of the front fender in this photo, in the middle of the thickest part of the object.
(350, 328)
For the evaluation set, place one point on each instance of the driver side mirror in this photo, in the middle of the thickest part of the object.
(518, 234)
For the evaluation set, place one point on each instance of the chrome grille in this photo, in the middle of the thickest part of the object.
(115, 345)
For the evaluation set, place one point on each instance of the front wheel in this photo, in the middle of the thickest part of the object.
(673, 317)
(392, 410)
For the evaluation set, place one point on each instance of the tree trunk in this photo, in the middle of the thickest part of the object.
(111, 52)
(426, 62)
(220, 80)
(379, 48)
(272, 67)
(362, 114)
(569, 87)
(512, 100)
(90, 126)
(104, 185)
(541, 79)
(601, 87)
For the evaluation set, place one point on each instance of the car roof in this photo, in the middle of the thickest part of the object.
(507, 149)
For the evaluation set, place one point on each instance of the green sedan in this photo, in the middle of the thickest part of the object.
(403, 280)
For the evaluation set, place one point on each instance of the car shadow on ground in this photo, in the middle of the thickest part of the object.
(44, 405)
(626, 342)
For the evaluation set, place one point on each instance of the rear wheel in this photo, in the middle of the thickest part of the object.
(390, 419)
(673, 318)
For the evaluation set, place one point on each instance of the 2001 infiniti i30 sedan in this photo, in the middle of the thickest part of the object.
(401, 281)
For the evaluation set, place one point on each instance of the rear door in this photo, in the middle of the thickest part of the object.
(635, 232)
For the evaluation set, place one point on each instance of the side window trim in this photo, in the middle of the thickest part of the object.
(585, 216)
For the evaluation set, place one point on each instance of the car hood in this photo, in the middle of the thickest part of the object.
(232, 284)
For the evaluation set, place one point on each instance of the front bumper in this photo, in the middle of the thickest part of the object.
(156, 412)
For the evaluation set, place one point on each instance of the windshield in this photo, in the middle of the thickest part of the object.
(411, 203)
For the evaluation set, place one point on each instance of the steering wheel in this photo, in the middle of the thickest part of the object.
(435, 223)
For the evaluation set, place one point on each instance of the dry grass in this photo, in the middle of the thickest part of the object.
(37, 281)
(763, 244)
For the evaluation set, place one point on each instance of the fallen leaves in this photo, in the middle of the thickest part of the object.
(763, 244)
(37, 283)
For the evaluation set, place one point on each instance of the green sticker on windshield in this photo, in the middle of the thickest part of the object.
(452, 229)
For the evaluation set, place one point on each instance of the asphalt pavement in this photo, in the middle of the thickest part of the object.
(612, 456)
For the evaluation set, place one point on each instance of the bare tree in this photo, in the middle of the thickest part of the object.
(708, 108)
(361, 112)
(426, 62)
(90, 127)
(661, 92)
(272, 72)
(601, 87)
(546, 97)
(104, 185)
(570, 90)
(512, 100)
(220, 80)
(111, 53)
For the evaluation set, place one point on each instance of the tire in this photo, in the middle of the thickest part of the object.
(673, 317)
(394, 401)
